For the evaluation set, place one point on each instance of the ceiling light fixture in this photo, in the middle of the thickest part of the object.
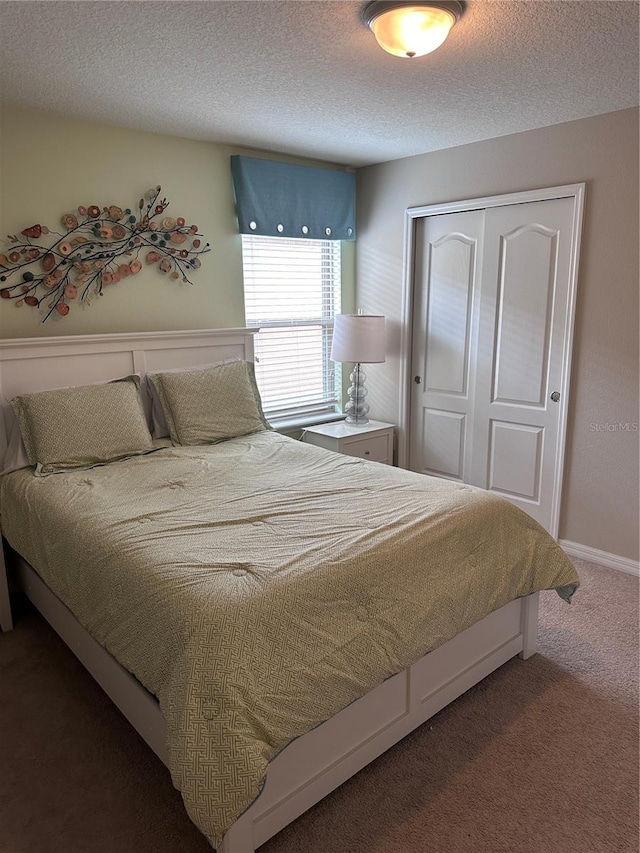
(411, 28)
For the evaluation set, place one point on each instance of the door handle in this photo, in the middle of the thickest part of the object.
(555, 396)
(417, 379)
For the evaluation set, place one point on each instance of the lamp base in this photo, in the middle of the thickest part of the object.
(357, 410)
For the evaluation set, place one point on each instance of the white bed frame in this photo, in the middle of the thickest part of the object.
(313, 765)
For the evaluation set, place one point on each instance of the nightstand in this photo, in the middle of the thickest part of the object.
(371, 441)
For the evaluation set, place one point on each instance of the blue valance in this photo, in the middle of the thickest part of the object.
(278, 199)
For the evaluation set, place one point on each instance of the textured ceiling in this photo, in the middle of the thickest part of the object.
(307, 78)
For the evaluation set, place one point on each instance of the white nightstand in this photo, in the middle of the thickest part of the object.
(371, 441)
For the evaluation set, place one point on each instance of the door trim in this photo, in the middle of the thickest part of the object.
(412, 214)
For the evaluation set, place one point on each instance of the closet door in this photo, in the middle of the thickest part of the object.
(445, 325)
(491, 348)
(524, 302)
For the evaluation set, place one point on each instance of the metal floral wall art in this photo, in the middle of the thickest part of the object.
(100, 247)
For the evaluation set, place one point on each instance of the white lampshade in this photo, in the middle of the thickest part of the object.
(358, 338)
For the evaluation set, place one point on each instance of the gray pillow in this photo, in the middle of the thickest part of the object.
(204, 406)
(75, 428)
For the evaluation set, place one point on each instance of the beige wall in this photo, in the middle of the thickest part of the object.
(50, 165)
(600, 497)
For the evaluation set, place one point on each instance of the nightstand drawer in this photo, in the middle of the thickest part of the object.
(373, 440)
(375, 448)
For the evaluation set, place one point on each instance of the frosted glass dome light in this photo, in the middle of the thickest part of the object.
(411, 29)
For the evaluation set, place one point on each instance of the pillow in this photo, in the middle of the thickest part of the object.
(75, 428)
(15, 456)
(210, 405)
(159, 425)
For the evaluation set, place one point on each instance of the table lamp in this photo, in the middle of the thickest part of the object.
(360, 339)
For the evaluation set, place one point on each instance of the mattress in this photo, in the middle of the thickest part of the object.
(258, 586)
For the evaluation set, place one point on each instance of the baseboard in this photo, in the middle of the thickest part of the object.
(604, 558)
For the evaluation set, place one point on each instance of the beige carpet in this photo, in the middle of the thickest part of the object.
(542, 757)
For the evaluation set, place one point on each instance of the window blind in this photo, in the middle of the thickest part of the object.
(292, 292)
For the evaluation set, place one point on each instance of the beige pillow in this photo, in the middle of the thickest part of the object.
(159, 425)
(74, 428)
(210, 405)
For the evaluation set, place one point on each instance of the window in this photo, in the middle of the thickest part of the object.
(292, 292)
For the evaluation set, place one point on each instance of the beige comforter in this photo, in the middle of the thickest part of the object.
(258, 586)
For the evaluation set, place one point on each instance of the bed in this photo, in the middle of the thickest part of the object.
(311, 589)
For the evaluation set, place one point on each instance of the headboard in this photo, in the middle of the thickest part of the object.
(38, 364)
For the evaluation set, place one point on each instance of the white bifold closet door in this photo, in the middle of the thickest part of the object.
(491, 344)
